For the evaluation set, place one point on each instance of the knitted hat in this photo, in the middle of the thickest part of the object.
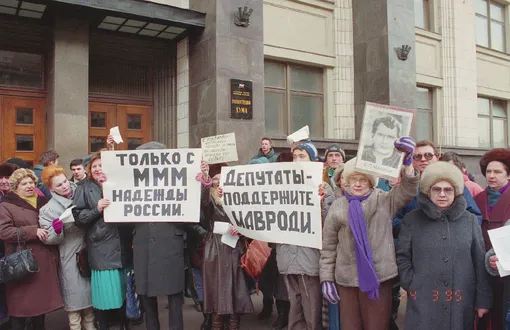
(261, 160)
(350, 169)
(442, 171)
(334, 148)
(151, 146)
(7, 169)
(338, 172)
(309, 148)
(499, 154)
(216, 168)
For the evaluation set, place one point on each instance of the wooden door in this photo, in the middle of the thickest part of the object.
(23, 128)
(134, 123)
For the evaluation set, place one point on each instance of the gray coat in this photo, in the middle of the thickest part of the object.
(76, 289)
(441, 265)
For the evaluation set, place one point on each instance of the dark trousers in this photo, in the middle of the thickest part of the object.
(19, 323)
(305, 302)
(175, 319)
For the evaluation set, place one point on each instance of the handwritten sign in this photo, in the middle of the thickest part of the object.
(152, 185)
(219, 149)
(276, 202)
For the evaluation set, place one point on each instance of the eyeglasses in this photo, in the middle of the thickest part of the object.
(427, 155)
(447, 191)
(361, 181)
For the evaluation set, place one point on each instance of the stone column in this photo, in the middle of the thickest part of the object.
(460, 114)
(380, 27)
(222, 52)
(68, 90)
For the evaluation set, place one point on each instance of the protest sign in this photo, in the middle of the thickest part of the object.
(302, 134)
(276, 202)
(152, 185)
(219, 148)
(382, 125)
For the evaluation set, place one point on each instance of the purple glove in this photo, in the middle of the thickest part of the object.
(57, 225)
(406, 145)
(329, 292)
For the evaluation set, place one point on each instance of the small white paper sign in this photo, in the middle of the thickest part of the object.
(302, 134)
(500, 239)
(502, 271)
(223, 229)
(219, 149)
(67, 215)
(116, 134)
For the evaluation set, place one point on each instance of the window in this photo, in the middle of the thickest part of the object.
(490, 25)
(294, 97)
(492, 123)
(424, 114)
(422, 14)
(21, 69)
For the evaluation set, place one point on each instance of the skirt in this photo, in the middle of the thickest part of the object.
(108, 288)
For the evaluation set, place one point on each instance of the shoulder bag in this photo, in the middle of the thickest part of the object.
(18, 265)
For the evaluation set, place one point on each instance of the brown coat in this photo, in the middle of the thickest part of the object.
(338, 257)
(38, 293)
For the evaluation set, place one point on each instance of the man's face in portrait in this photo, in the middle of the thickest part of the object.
(384, 138)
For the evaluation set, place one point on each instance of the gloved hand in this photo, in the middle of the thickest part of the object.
(57, 225)
(329, 292)
(407, 145)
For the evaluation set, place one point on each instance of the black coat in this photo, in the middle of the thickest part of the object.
(440, 260)
(109, 244)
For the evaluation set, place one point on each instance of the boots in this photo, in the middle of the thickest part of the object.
(267, 309)
(234, 322)
(102, 320)
(217, 321)
(282, 320)
(207, 324)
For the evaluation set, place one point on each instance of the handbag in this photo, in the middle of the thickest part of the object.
(18, 265)
(82, 261)
(133, 310)
(255, 259)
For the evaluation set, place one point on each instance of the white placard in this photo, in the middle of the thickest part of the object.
(502, 271)
(277, 202)
(152, 185)
(116, 134)
(302, 134)
(382, 125)
(219, 149)
(500, 240)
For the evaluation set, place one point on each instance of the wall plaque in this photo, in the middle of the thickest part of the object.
(241, 99)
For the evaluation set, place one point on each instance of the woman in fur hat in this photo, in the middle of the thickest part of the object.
(493, 203)
(226, 294)
(6, 171)
(357, 264)
(441, 255)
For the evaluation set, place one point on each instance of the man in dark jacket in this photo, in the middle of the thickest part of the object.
(49, 157)
(159, 264)
(266, 150)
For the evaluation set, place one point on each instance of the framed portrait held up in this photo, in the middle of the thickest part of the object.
(382, 125)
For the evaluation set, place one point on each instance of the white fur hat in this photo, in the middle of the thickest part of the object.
(442, 171)
(350, 169)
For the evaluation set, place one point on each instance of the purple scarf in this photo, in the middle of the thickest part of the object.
(367, 277)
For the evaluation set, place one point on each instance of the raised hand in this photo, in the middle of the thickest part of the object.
(406, 145)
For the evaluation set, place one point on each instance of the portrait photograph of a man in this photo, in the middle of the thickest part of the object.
(382, 125)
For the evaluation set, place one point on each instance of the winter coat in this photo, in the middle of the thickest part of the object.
(441, 265)
(300, 260)
(37, 171)
(224, 282)
(338, 257)
(38, 293)
(473, 187)
(108, 244)
(76, 289)
(271, 155)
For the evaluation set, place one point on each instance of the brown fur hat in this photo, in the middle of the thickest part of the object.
(499, 154)
(7, 169)
(442, 171)
(216, 169)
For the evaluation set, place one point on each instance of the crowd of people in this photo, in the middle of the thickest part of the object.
(424, 232)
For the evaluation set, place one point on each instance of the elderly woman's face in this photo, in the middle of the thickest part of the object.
(442, 194)
(60, 185)
(26, 187)
(97, 171)
(497, 175)
(359, 184)
(5, 186)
